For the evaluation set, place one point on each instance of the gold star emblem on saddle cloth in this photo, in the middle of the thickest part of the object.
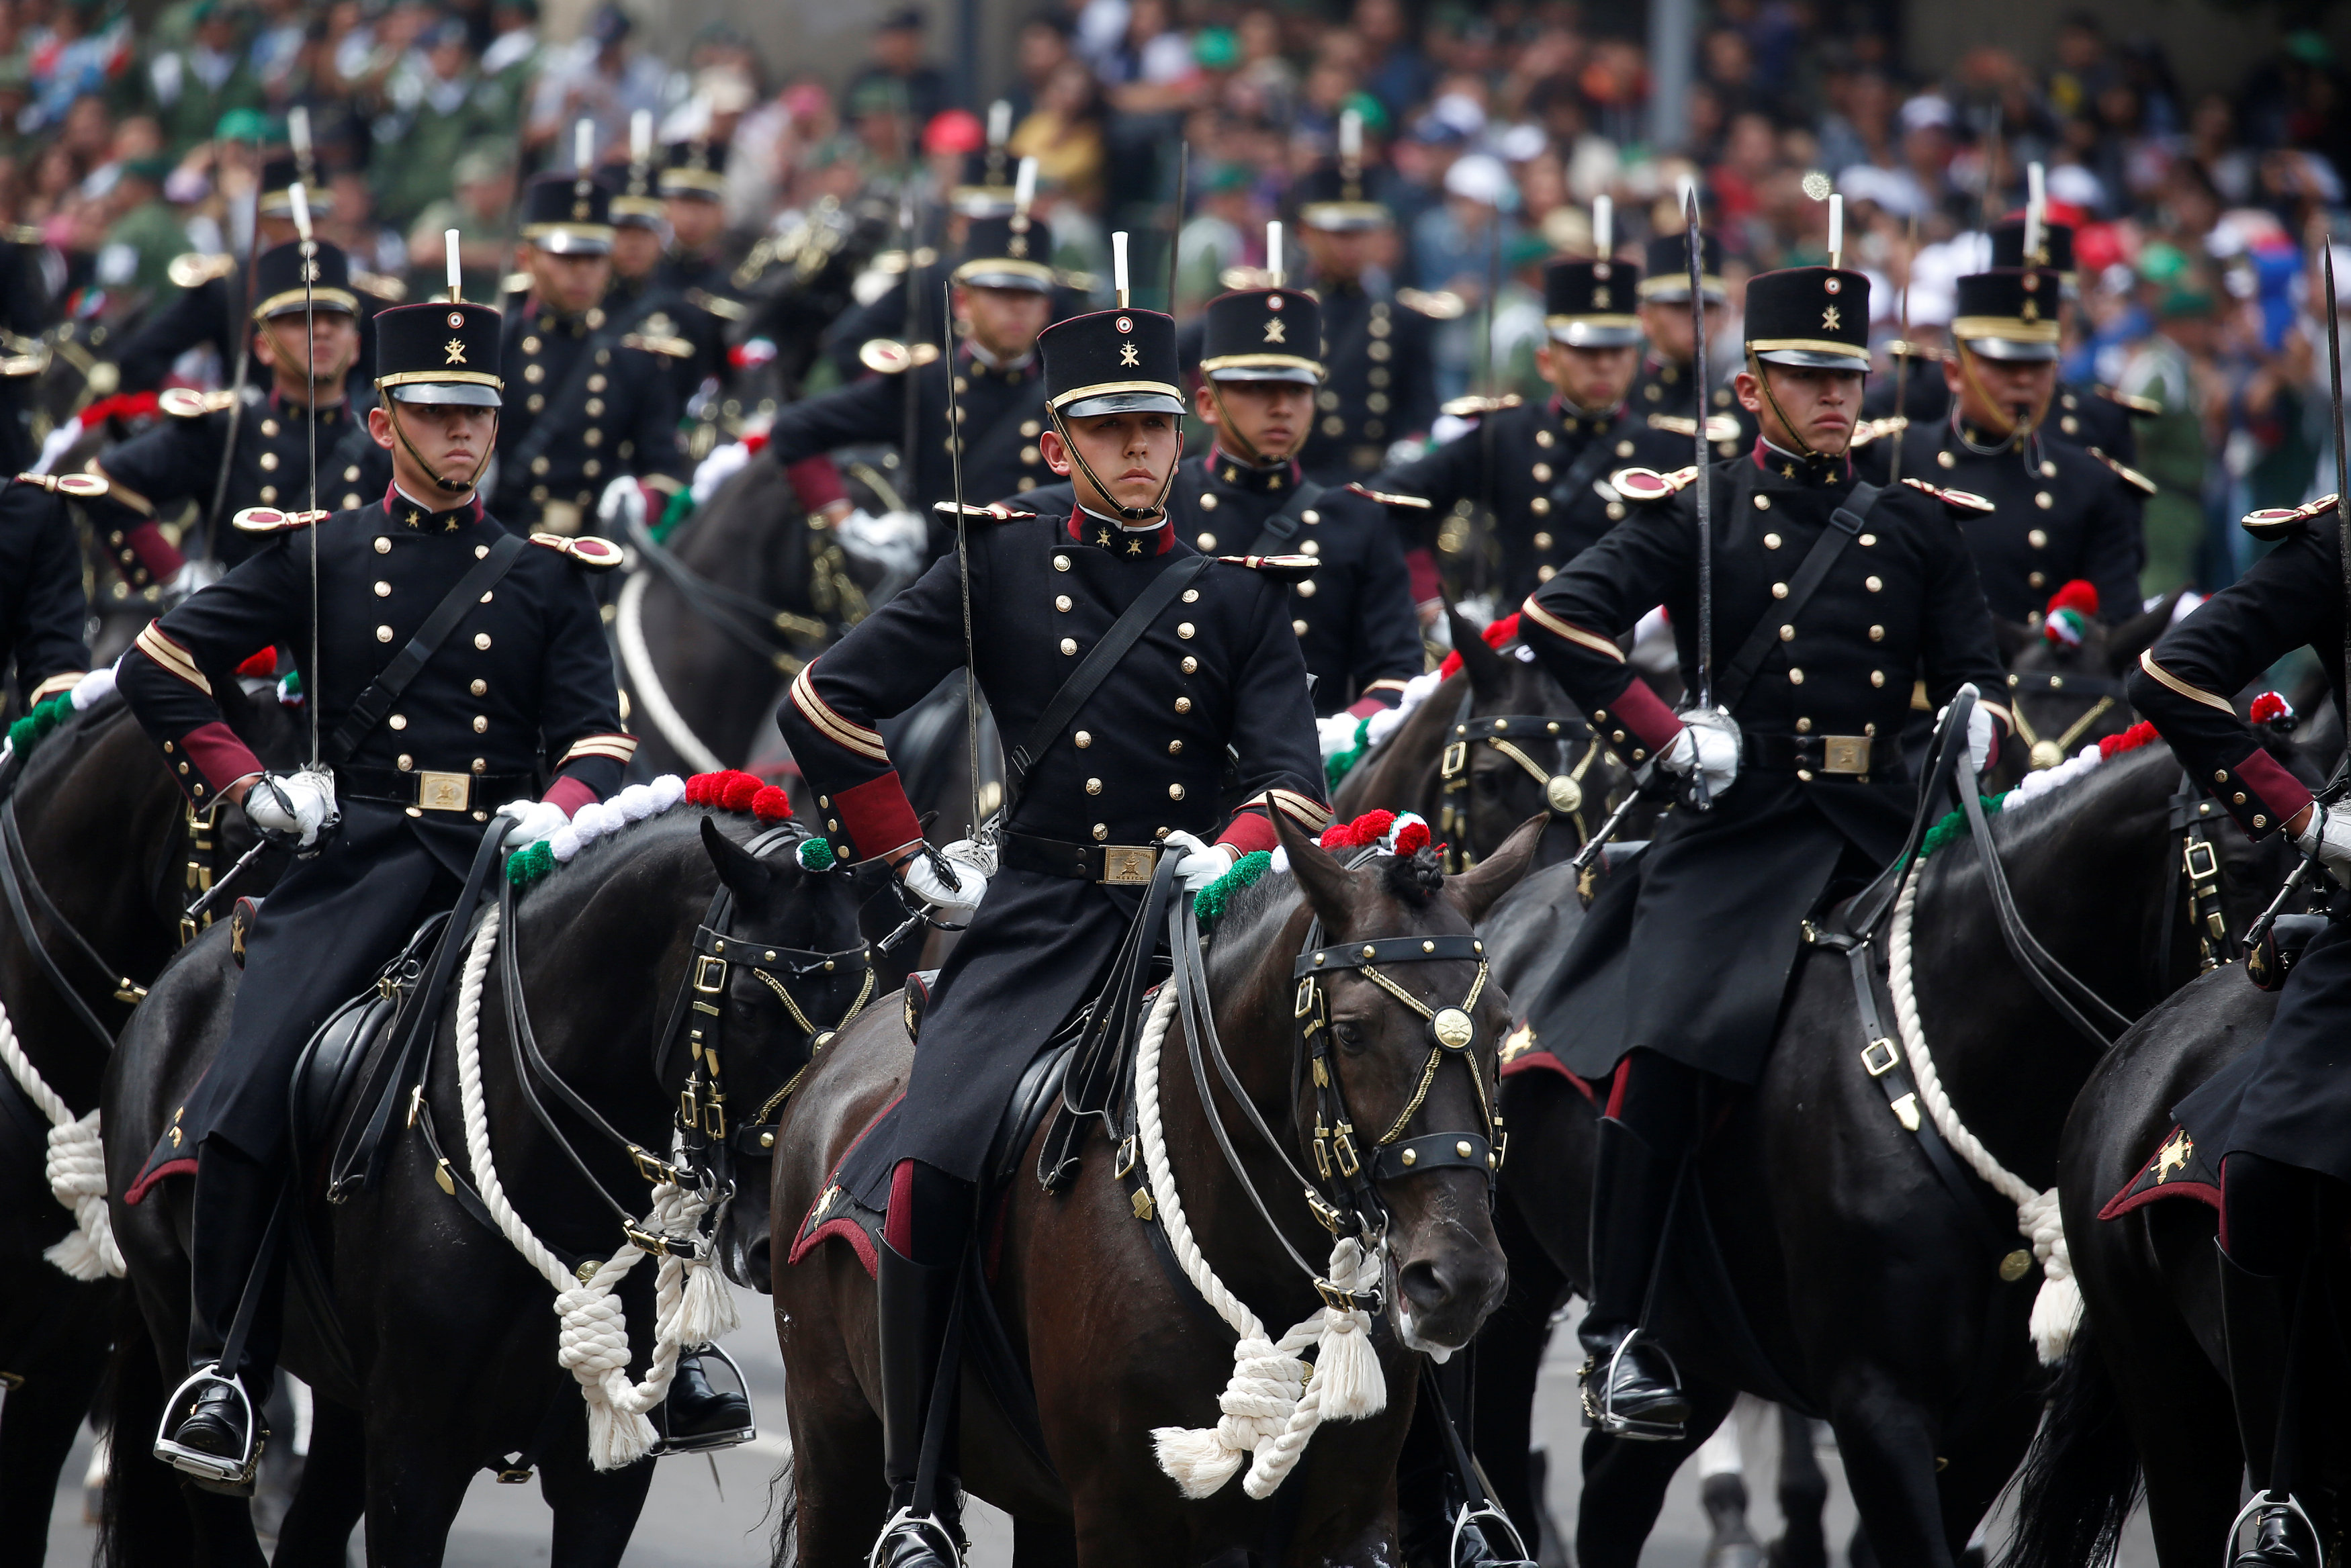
(456, 347)
(1829, 319)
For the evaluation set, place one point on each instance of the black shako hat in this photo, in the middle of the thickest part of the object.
(568, 215)
(2009, 314)
(278, 276)
(1668, 265)
(2056, 251)
(439, 353)
(1589, 303)
(1112, 362)
(1332, 197)
(1263, 335)
(1007, 251)
(1810, 316)
(634, 203)
(278, 177)
(695, 169)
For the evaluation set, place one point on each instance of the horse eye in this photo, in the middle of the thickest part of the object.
(1351, 1034)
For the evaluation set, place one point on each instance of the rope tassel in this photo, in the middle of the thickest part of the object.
(75, 1167)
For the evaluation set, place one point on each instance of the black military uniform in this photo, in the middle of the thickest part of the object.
(1377, 347)
(2056, 512)
(43, 613)
(523, 683)
(1144, 755)
(1822, 797)
(697, 289)
(591, 401)
(1666, 393)
(1548, 482)
(634, 203)
(1924, 398)
(180, 459)
(2097, 418)
(2275, 1119)
(1003, 406)
(25, 315)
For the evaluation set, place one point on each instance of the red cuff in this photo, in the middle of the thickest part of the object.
(1639, 712)
(1372, 703)
(1248, 831)
(816, 482)
(1420, 565)
(571, 794)
(158, 555)
(871, 818)
(2277, 795)
(211, 758)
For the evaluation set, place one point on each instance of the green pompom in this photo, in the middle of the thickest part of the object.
(1954, 824)
(816, 854)
(49, 715)
(1208, 903)
(680, 508)
(290, 687)
(20, 734)
(530, 863)
(1338, 764)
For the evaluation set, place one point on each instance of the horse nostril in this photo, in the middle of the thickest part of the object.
(1427, 1285)
(1456, 1283)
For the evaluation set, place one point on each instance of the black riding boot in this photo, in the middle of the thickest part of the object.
(696, 1416)
(1630, 1388)
(229, 1242)
(2256, 1320)
(916, 1311)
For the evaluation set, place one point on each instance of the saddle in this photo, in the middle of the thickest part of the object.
(327, 1074)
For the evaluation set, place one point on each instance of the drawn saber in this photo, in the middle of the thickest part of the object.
(1704, 482)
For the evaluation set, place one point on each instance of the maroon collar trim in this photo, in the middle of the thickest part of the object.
(1085, 529)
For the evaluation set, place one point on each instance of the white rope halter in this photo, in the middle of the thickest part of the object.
(76, 1170)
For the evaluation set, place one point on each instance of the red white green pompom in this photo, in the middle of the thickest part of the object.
(735, 790)
(1498, 634)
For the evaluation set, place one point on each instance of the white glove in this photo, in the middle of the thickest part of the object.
(1980, 734)
(895, 540)
(1706, 749)
(2329, 833)
(533, 820)
(1201, 864)
(955, 898)
(191, 575)
(1334, 734)
(291, 808)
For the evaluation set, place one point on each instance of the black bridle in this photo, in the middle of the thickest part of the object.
(24, 893)
(2047, 752)
(781, 639)
(1511, 734)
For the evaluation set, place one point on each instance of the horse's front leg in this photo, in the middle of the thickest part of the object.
(1888, 1441)
(595, 1510)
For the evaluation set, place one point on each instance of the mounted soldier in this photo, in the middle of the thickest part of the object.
(1668, 388)
(43, 609)
(1156, 662)
(1354, 617)
(691, 274)
(1833, 592)
(592, 398)
(438, 700)
(1544, 467)
(305, 333)
(2097, 419)
(2056, 512)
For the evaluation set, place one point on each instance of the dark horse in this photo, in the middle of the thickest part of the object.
(1114, 1342)
(102, 856)
(439, 1333)
(2068, 696)
(1865, 1289)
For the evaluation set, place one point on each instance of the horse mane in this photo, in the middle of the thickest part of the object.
(2028, 827)
(54, 758)
(1252, 918)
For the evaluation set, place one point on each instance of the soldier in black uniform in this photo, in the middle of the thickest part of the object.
(1807, 788)
(1668, 388)
(2275, 1119)
(593, 400)
(638, 218)
(26, 312)
(43, 614)
(2097, 418)
(1004, 297)
(692, 278)
(1045, 589)
(386, 838)
(1544, 467)
(2055, 512)
(1378, 348)
(180, 460)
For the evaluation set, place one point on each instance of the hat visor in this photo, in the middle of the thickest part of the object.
(1298, 375)
(1025, 277)
(1126, 403)
(569, 239)
(1586, 333)
(2010, 352)
(447, 394)
(293, 302)
(1341, 217)
(1815, 360)
(278, 204)
(1676, 290)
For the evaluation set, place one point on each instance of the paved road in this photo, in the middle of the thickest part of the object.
(715, 1514)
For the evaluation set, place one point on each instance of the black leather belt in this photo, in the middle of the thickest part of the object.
(430, 789)
(1820, 756)
(1115, 865)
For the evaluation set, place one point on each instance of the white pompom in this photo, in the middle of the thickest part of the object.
(1280, 858)
(564, 842)
(636, 802)
(668, 790)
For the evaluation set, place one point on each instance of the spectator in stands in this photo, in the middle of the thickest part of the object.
(898, 61)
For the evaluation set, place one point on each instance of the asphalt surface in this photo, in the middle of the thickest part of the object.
(714, 1512)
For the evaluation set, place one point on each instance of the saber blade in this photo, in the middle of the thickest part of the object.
(1694, 255)
(2342, 460)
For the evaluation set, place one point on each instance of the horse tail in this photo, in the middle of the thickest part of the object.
(784, 1502)
(2081, 1479)
(144, 1519)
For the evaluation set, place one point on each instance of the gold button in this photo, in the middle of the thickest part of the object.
(595, 407)
(407, 763)
(1546, 572)
(1299, 627)
(1062, 602)
(1068, 645)
(1787, 634)
(1309, 515)
(2044, 501)
(1183, 704)
(1770, 541)
(1093, 786)
(383, 545)
(1616, 510)
(1029, 428)
(1542, 438)
(1184, 629)
(398, 721)
(1946, 460)
(1543, 541)
(1084, 738)
(534, 373)
(1542, 474)
(1877, 634)
(2069, 424)
(480, 687)
(269, 427)
(269, 492)
(1312, 547)
(2221, 777)
(2260, 821)
(2037, 579)
(1175, 791)
(535, 402)
(1306, 589)
(597, 383)
(1762, 504)
(384, 590)
(1803, 726)
(1873, 584)
(540, 465)
(350, 501)
(1866, 540)
(480, 550)
(1190, 665)
(2037, 539)
(592, 468)
(1805, 775)
(1102, 831)
(2048, 469)
(1060, 563)
(1623, 449)
(1778, 590)
(352, 474)
(1795, 677)
(183, 767)
(2239, 797)
(384, 634)
(1540, 506)
(594, 438)
(1204, 542)
(1174, 748)
(1207, 503)
(1878, 678)
(481, 641)
(269, 463)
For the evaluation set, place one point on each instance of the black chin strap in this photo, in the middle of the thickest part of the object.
(2019, 430)
(454, 486)
(1248, 450)
(1158, 508)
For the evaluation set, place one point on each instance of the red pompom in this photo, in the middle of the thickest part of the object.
(1412, 839)
(739, 790)
(1340, 835)
(2078, 596)
(771, 804)
(2130, 740)
(1373, 825)
(261, 666)
(1496, 634)
(2269, 705)
(697, 789)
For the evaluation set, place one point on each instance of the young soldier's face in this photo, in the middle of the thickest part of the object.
(334, 342)
(1820, 406)
(1668, 326)
(571, 283)
(1271, 417)
(1130, 453)
(2000, 394)
(635, 251)
(1594, 378)
(1004, 321)
(445, 448)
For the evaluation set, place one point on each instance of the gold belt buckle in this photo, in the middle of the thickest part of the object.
(444, 791)
(1129, 865)
(1844, 754)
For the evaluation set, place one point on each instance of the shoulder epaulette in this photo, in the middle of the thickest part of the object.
(1384, 499)
(597, 554)
(2273, 523)
(1902, 349)
(80, 486)
(197, 268)
(1718, 427)
(269, 520)
(994, 512)
(718, 305)
(888, 356)
(27, 364)
(1281, 568)
(390, 290)
(1648, 485)
(2146, 408)
(2126, 473)
(654, 343)
(187, 403)
(1078, 282)
(1441, 305)
(1966, 500)
(1473, 406)
(1868, 430)
(24, 234)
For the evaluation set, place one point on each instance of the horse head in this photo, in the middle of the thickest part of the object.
(1412, 1056)
(2066, 693)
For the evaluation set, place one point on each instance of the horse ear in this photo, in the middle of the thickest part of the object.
(1474, 891)
(2014, 637)
(747, 876)
(1329, 886)
(2127, 640)
(1489, 673)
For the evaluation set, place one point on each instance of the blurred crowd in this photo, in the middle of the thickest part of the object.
(1489, 131)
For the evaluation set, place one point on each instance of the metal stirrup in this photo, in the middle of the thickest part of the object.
(194, 1461)
(1604, 1409)
(907, 1521)
(2252, 1511)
